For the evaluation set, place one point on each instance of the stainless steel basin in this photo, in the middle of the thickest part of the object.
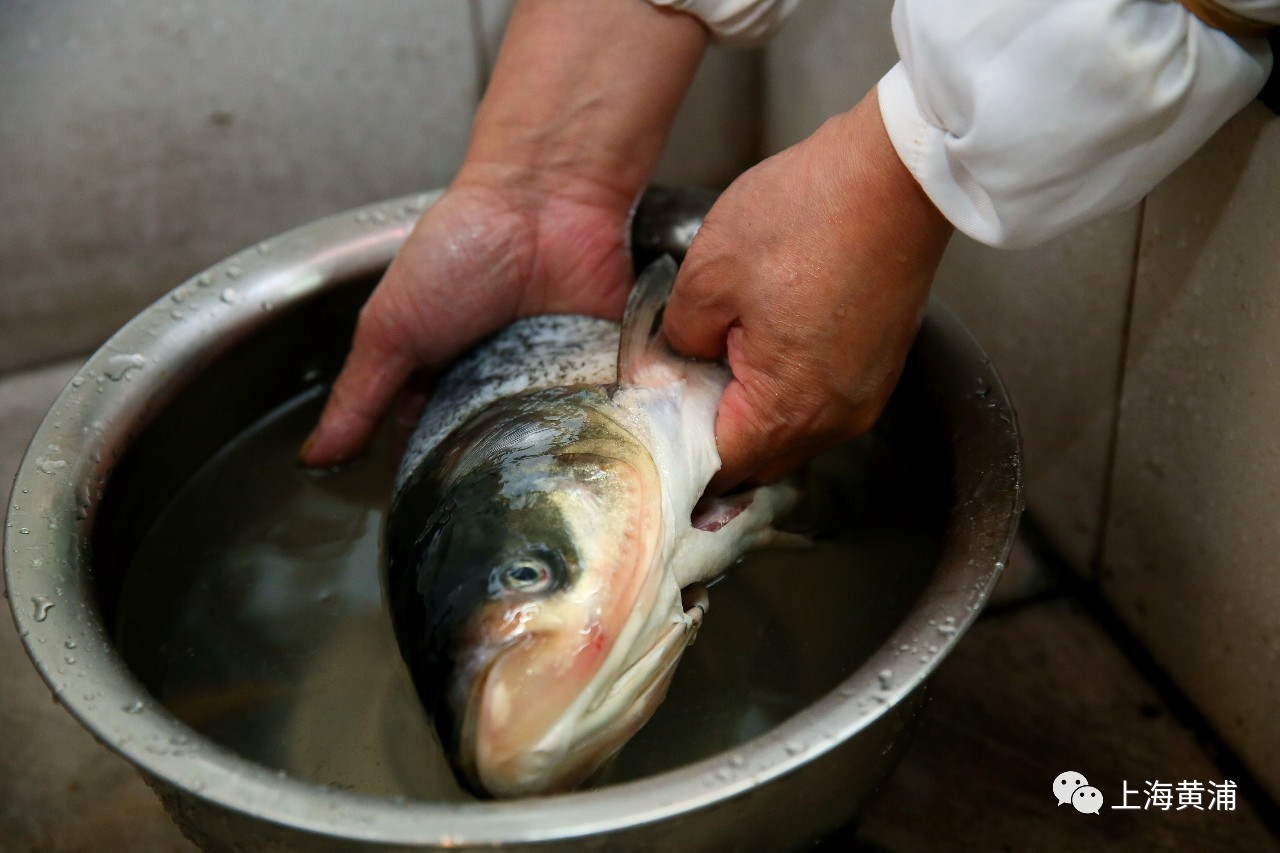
(164, 394)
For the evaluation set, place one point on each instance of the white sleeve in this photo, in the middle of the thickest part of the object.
(736, 23)
(1023, 118)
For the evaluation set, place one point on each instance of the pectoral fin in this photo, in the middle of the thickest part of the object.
(730, 528)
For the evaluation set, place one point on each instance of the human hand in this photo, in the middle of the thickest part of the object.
(810, 274)
(486, 253)
(536, 221)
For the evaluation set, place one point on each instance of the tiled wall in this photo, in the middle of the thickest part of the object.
(1192, 548)
(143, 140)
(1152, 452)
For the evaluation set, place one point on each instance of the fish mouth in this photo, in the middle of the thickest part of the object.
(561, 746)
(662, 656)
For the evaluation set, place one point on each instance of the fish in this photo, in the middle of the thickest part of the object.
(541, 531)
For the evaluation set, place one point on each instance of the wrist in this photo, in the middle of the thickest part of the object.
(581, 99)
(876, 188)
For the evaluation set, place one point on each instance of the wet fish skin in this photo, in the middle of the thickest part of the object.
(539, 539)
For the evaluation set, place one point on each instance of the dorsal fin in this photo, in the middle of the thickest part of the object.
(641, 340)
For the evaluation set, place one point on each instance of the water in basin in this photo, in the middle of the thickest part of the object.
(253, 611)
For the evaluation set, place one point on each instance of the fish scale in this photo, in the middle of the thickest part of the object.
(547, 497)
(531, 354)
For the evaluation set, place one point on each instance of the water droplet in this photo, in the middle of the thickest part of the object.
(71, 659)
(737, 761)
(724, 774)
(886, 678)
(121, 365)
(946, 630)
(205, 279)
(230, 296)
(794, 747)
(71, 644)
(176, 314)
(380, 216)
(134, 707)
(264, 247)
(50, 466)
(77, 382)
(234, 272)
(42, 606)
(362, 216)
(24, 531)
(178, 295)
(37, 563)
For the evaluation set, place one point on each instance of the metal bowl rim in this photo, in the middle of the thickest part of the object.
(234, 298)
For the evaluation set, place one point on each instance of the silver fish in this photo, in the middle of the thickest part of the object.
(540, 535)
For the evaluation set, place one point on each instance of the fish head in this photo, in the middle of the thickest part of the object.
(549, 619)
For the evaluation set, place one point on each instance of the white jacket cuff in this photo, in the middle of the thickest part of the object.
(1021, 119)
(736, 23)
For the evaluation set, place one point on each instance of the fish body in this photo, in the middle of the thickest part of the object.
(540, 536)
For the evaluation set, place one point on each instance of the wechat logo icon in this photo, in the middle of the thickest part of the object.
(1071, 787)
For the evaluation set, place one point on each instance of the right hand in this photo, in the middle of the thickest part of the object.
(492, 249)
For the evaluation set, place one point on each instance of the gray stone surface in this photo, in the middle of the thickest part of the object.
(60, 790)
(1031, 693)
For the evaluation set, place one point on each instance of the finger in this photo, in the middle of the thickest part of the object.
(747, 438)
(759, 447)
(363, 391)
(696, 320)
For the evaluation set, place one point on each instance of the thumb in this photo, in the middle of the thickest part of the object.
(751, 441)
(695, 321)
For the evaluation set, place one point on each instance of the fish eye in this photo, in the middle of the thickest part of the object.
(526, 575)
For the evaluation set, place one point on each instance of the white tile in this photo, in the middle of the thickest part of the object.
(1052, 320)
(716, 134)
(1192, 538)
(824, 59)
(143, 141)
